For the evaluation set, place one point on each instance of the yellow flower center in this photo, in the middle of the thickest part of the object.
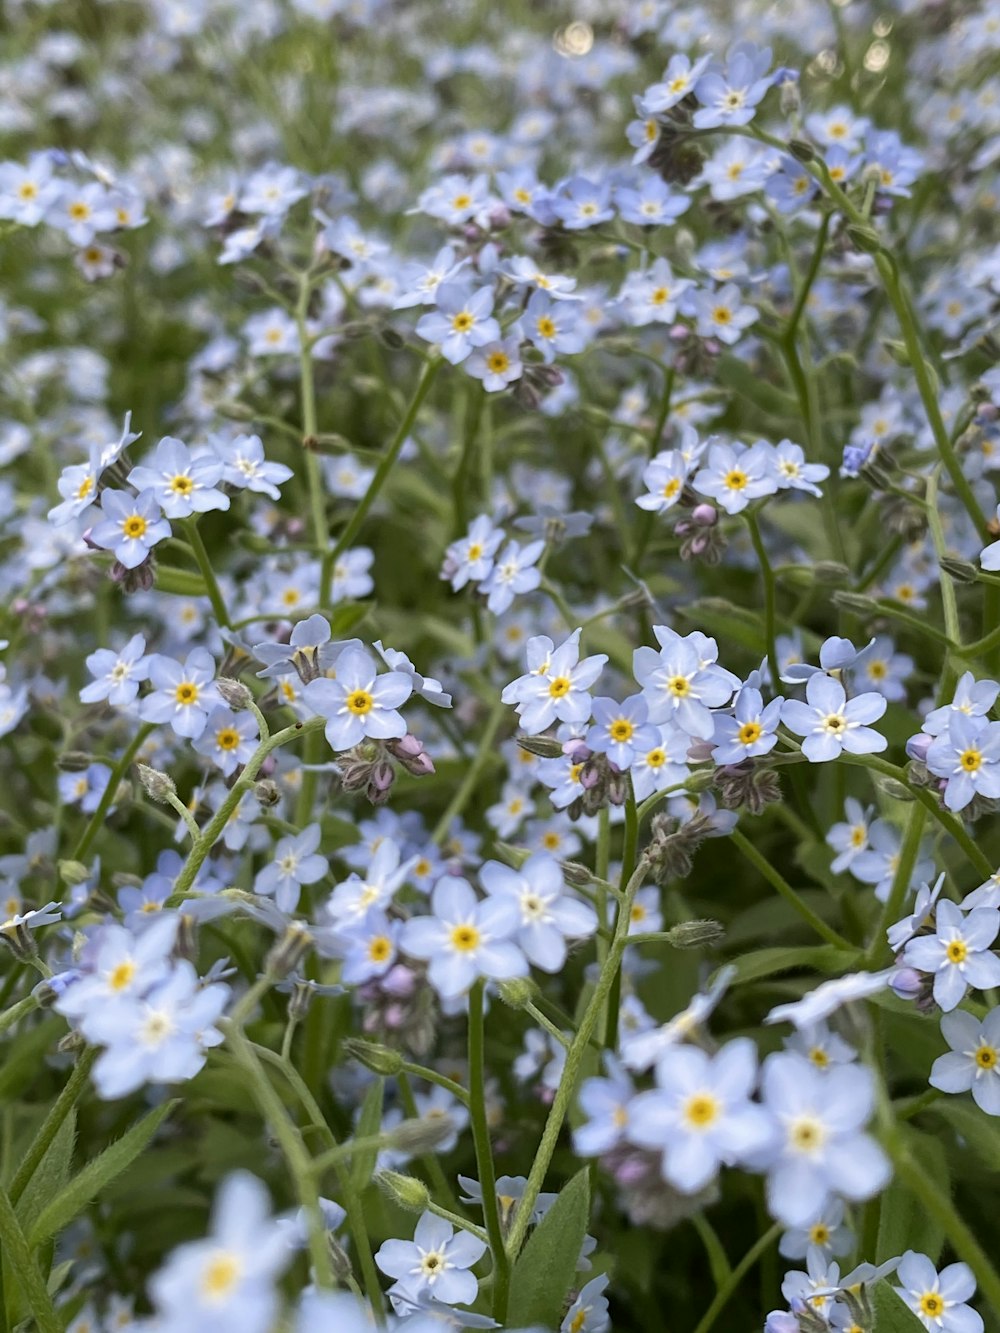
(679, 686)
(186, 693)
(462, 322)
(551, 841)
(379, 948)
(84, 488)
(79, 211)
(578, 1321)
(134, 526)
(656, 758)
(749, 732)
(498, 362)
(671, 488)
(701, 1110)
(986, 1057)
(121, 975)
(475, 551)
(722, 314)
(559, 686)
(221, 1274)
(819, 1233)
(932, 1304)
(971, 760)
(660, 296)
(227, 739)
(735, 479)
(858, 835)
(621, 729)
(465, 938)
(28, 190)
(957, 951)
(834, 722)
(461, 201)
(359, 703)
(181, 484)
(806, 1134)
(546, 327)
(819, 1057)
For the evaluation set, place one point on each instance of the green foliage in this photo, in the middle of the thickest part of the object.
(546, 1268)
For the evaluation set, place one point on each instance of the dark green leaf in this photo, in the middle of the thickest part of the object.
(546, 1268)
(766, 962)
(50, 1175)
(369, 1123)
(904, 1224)
(892, 1315)
(85, 1187)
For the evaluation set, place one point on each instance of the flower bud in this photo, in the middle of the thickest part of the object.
(234, 693)
(865, 239)
(576, 874)
(699, 781)
(289, 951)
(801, 150)
(410, 752)
(157, 786)
(74, 761)
(705, 515)
(830, 572)
(895, 790)
(391, 338)
(72, 872)
(379, 1059)
(857, 602)
(918, 745)
(421, 1135)
(517, 992)
(696, 934)
(267, 793)
(544, 746)
(409, 1192)
(959, 571)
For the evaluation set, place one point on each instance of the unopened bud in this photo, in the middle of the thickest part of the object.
(514, 856)
(410, 752)
(897, 350)
(865, 239)
(544, 746)
(414, 1137)
(72, 1042)
(959, 571)
(918, 745)
(391, 338)
(696, 934)
(801, 150)
(895, 790)
(857, 602)
(379, 1059)
(517, 992)
(267, 793)
(157, 786)
(289, 951)
(409, 1192)
(74, 761)
(576, 874)
(831, 572)
(72, 872)
(234, 693)
(700, 780)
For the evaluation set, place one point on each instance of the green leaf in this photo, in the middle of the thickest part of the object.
(23, 1058)
(180, 582)
(980, 1131)
(904, 1224)
(821, 957)
(85, 1187)
(50, 1175)
(892, 1314)
(369, 1123)
(718, 1262)
(546, 1269)
(347, 615)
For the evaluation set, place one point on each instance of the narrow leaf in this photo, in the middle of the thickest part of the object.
(369, 1123)
(546, 1269)
(85, 1187)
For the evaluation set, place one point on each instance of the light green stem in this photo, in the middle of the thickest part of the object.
(104, 804)
(25, 1265)
(52, 1123)
(484, 1153)
(893, 904)
(767, 574)
(190, 527)
(777, 881)
(725, 1293)
(572, 1070)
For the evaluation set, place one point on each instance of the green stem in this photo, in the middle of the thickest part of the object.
(893, 904)
(468, 785)
(292, 1147)
(573, 1069)
(630, 846)
(10, 1016)
(767, 573)
(104, 804)
(484, 1152)
(310, 423)
(216, 826)
(725, 1293)
(776, 881)
(190, 527)
(24, 1263)
(940, 1208)
(428, 1161)
(50, 1126)
(378, 481)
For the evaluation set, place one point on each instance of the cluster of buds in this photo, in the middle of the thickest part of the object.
(602, 782)
(369, 767)
(644, 1196)
(700, 535)
(400, 1005)
(748, 786)
(672, 845)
